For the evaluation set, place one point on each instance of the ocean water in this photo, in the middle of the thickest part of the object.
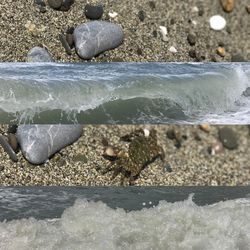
(95, 224)
(118, 93)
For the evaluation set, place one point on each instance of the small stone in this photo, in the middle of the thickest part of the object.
(139, 51)
(152, 5)
(227, 5)
(13, 141)
(248, 9)
(167, 168)
(65, 44)
(113, 14)
(164, 33)
(40, 2)
(95, 37)
(70, 40)
(205, 127)
(171, 134)
(42, 9)
(221, 51)
(201, 10)
(80, 158)
(246, 93)
(93, 12)
(237, 58)
(217, 22)
(55, 4)
(173, 49)
(66, 5)
(172, 21)
(191, 39)
(216, 148)
(1, 167)
(12, 129)
(228, 138)
(38, 54)
(155, 33)
(192, 53)
(141, 15)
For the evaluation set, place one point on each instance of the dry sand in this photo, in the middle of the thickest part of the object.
(140, 44)
(82, 162)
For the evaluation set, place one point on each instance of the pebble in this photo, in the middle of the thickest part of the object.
(152, 5)
(221, 51)
(192, 53)
(237, 58)
(93, 12)
(141, 15)
(164, 32)
(80, 158)
(95, 37)
(173, 49)
(216, 148)
(227, 5)
(228, 138)
(70, 40)
(191, 39)
(55, 4)
(113, 14)
(39, 142)
(205, 127)
(248, 9)
(217, 22)
(39, 54)
(12, 129)
(167, 168)
(7, 148)
(65, 44)
(1, 167)
(62, 5)
(13, 141)
(246, 93)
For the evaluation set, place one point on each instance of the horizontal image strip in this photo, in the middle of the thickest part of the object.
(125, 93)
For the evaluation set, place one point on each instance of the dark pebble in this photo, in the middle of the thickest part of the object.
(141, 15)
(1, 168)
(192, 53)
(70, 30)
(168, 168)
(172, 21)
(155, 33)
(7, 148)
(55, 4)
(40, 2)
(237, 58)
(228, 138)
(191, 39)
(248, 9)
(201, 11)
(12, 129)
(152, 5)
(65, 44)
(13, 141)
(93, 12)
(70, 40)
(139, 51)
(42, 9)
(171, 134)
(66, 5)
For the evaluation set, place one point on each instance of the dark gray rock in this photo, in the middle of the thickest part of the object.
(141, 15)
(39, 142)
(228, 138)
(95, 37)
(62, 5)
(191, 39)
(93, 12)
(246, 93)
(39, 54)
(55, 4)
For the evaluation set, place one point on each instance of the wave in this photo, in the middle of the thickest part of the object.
(94, 225)
(125, 93)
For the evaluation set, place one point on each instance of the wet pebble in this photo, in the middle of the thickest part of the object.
(93, 12)
(191, 39)
(228, 138)
(95, 37)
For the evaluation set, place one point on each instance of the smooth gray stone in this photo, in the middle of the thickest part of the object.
(39, 142)
(95, 37)
(38, 54)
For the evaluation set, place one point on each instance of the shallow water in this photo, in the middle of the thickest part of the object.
(93, 221)
(124, 93)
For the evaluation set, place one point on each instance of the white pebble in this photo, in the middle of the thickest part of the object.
(146, 132)
(172, 49)
(113, 14)
(150, 202)
(195, 9)
(194, 22)
(217, 22)
(164, 33)
(143, 204)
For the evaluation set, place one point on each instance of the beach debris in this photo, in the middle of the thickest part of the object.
(227, 5)
(39, 54)
(95, 37)
(39, 142)
(191, 39)
(205, 127)
(7, 148)
(142, 151)
(93, 12)
(228, 138)
(217, 22)
(113, 14)
(221, 51)
(164, 32)
(172, 49)
(62, 5)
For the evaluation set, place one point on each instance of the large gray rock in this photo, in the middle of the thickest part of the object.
(39, 54)
(39, 142)
(92, 38)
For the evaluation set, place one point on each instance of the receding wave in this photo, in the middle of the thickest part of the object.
(124, 93)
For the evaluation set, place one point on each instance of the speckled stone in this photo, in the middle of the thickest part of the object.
(228, 138)
(95, 37)
(39, 54)
(39, 142)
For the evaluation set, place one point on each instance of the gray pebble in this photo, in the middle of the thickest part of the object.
(228, 138)
(95, 37)
(191, 39)
(39, 142)
(39, 54)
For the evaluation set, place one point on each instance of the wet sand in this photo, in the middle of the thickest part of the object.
(82, 162)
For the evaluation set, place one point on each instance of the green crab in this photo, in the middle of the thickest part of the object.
(143, 150)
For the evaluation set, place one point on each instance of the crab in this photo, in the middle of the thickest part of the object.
(143, 150)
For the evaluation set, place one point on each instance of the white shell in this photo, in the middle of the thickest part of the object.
(172, 49)
(217, 22)
(113, 14)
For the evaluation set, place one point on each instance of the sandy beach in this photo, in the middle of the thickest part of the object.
(143, 41)
(82, 163)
